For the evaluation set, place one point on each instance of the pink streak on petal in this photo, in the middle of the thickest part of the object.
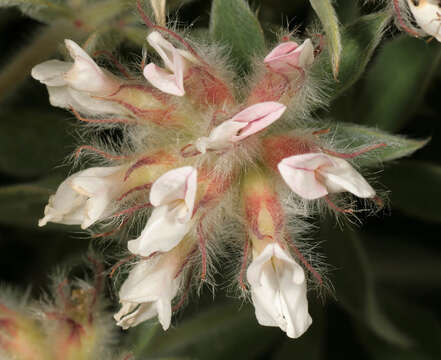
(258, 117)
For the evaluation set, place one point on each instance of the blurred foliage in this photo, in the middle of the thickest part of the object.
(386, 274)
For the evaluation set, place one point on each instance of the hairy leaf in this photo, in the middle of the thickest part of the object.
(233, 24)
(360, 137)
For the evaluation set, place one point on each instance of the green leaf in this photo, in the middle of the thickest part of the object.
(222, 332)
(32, 143)
(359, 39)
(396, 83)
(354, 284)
(356, 136)
(233, 24)
(415, 189)
(326, 13)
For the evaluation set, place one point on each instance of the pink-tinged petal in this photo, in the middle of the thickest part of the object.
(288, 57)
(51, 72)
(173, 185)
(341, 176)
(167, 51)
(300, 173)
(281, 50)
(164, 80)
(257, 117)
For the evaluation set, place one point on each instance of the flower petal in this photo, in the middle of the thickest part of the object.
(151, 285)
(220, 137)
(163, 80)
(281, 51)
(132, 314)
(162, 232)
(288, 56)
(278, 291)
(100, 185)
(427, 16)
(299, 173)
(66, 206)
(164, 48)
(341, 176)
(173, 185)
(51, 72)
(258, 117)
(86, 75)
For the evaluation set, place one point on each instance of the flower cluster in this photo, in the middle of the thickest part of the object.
(201, 151)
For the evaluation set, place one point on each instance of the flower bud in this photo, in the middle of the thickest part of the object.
(21, 337)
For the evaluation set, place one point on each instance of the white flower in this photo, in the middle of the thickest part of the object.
(289, 57)
(427, 14)
(176, 61)
(148, 291)
(84, 197)
(76, 84)
(173, 196)
(253, 119)
(278, 291)
(315, 175)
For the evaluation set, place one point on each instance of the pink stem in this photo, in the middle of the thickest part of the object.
(100, 152)
(136, 188)
(120, 67)
(401, 20)
(132, 209)
(354, 154)
(336, 208)
(102, 121)
(306, 263)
